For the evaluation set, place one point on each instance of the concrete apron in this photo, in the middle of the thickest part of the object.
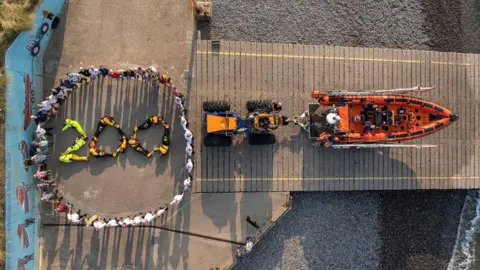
(221, 216)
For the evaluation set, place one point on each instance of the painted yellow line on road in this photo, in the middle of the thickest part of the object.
(340, 178)
(40, 258)
(332, 58)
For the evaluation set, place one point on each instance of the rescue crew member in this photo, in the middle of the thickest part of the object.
(368, 127)
(153, 120)
(163, 149)
(282, 121)
(135, 144)
(72, 157)
(72, 123)
(79, 142)
(104, 121)
(327, 139)
(96, 151)
(165, 80)
(122, 143)
(276, 106)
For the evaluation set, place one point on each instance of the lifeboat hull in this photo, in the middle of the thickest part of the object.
(378, 118)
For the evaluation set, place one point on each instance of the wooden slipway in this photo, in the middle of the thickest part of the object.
(241, 71)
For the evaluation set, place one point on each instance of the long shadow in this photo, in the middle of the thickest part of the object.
(117, 238)
(139, 251)
(78, 254)
(129, 248)
(94, 252)
(104, 249)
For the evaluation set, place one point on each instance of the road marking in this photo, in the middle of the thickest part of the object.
(340, 178)
(333, 58)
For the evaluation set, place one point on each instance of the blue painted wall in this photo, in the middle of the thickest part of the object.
(24, 91)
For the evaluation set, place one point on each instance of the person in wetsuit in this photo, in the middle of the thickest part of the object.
(153, 120)
(163, 148)
(96, 151)
(104, 121)
(135, 144)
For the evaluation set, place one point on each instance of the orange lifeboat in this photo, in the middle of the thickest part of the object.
(360, 119)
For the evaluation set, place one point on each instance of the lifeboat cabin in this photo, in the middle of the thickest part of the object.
(354, 119)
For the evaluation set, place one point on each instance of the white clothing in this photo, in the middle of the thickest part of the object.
(45, 107)
(177, 199)
(62, 94)
(38, 158)
(50, 100)
(189, 165)
(137, 220)
(178, 101)
(249, 246)
(94, 72)
(188, 136)
(149, 217)
(189, 150)
(73, 218)
(40, 132)
(183, 122)
(154, 71)
(99, 224)
(43, 143)
(112, 223)
(126, 222)
(74, 78)
(187, 183)
(160, 212)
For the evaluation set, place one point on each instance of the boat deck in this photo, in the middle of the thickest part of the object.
(241, 71)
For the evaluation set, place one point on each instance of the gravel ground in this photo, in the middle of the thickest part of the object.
(364, 230)
(407, 24)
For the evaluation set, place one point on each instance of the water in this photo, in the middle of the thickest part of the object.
(464, 253)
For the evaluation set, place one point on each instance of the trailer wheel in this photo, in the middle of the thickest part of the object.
(216, 106)
(217, 141)
(256, 105)
(261, 139)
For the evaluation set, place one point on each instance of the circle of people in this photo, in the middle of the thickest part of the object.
(48, 109)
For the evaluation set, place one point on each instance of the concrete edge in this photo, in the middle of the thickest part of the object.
(276, 216)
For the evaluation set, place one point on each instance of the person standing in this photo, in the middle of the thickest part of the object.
(126, 221)
(75, 218)
(188, 136)
(189, 150)
(63, 207)
(187, 183)
(99, 224)
(113, 222)
(183, 122)
(50, 196)
(189, 166)
(138, 219)
(177, 199)
(39, 158)
(149, 217)
(41, 132)
(161, 211)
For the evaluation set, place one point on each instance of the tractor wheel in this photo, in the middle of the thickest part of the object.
(44, 28)
(256, 105)
(217, 141)
(35, 50)
(216, 106)
(261, 139)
